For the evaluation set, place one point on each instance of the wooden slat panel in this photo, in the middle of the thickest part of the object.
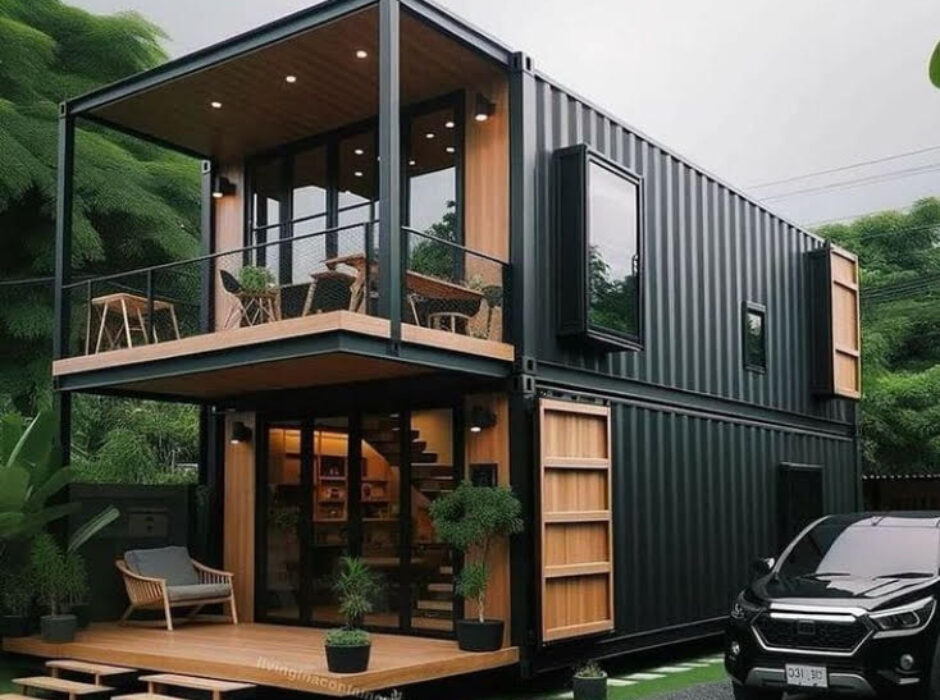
(846, 324)
(575, 520)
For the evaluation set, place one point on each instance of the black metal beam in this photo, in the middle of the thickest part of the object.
(469, 35)
(523, 154)
(390, 243)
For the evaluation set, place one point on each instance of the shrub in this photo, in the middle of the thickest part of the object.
(347, 638)
(16, 592)
(356, 587)
(53, 585)
(590, 669)
(255, 279)
(470, 519)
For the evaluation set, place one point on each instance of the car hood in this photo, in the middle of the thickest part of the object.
(853, 591)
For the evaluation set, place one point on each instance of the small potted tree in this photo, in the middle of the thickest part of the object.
(347, 649)
(78, 590)
(53, 587)
(471, 519)
(589, 682)
(16, 597)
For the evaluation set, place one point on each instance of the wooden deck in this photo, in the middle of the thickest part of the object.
(292, 658)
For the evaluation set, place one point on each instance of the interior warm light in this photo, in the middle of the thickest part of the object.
(411, 162)
(291, 79)
(484, 109)
(215, 104)
(362, 53)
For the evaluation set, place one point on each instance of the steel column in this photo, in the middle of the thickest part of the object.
(207, 226)
(63, 230)
(390, 257)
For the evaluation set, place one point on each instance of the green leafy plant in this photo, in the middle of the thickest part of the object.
(254, 279)
(76, 574)
(54, 578)
(347, 638)
(590, 669)
(935, 67)
(16, 591)
(470, 519)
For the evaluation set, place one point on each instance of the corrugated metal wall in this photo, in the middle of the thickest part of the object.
(708, 250)
(695, 503)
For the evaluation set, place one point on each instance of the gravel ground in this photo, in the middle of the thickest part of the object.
(714, 691)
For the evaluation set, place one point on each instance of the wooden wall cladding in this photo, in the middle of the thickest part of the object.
(577, 586)
(239, 517)
(837, 366)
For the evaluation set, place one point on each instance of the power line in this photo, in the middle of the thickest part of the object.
(842, 168)
(870, 179)
(859, 215)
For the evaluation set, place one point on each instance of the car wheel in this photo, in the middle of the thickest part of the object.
(743, 693)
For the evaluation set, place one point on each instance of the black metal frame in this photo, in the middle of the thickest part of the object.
(748, 308)
(572, 168)
(379, 404)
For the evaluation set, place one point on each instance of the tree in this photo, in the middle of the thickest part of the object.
(135, 203)
(900, 278)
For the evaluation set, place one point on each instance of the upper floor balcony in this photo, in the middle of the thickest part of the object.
(355, 212)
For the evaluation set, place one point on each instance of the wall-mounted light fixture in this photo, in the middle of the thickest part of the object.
(484, 109)
(240, 433)
(222, 187)
(481, 418)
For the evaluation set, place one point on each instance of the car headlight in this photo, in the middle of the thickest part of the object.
(743, 610)
(905, 619)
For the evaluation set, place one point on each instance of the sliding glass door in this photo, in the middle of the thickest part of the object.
(358, 484)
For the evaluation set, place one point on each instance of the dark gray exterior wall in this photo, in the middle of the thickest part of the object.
(697, 440)
(708, 250)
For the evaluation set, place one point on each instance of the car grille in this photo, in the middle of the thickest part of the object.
(810, 635)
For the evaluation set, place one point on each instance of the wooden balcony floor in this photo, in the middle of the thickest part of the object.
(292, 658)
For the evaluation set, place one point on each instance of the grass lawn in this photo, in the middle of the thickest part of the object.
(671, 683)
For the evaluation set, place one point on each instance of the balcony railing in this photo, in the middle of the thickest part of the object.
(446, 287)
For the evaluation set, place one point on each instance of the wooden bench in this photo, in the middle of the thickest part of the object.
(98, 672)
(73, 689)
(217, 689)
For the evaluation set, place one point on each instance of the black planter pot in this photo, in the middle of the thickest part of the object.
(590, 688)
(58, 629)
(82, 614)
(348, 659)
(473, 635)
(12, 626)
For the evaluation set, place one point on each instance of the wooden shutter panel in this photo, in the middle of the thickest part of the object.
(577, 577)
(834, 296)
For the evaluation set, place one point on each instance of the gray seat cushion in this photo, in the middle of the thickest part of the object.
(202, 591)
(170, 563)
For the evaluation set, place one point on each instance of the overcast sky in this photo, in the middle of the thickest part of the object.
(752, 90)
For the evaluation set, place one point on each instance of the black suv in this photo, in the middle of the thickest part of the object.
(850, 608)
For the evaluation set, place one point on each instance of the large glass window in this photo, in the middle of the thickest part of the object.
(613, 251)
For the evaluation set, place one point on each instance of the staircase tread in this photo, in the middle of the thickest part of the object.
(60, 685)
(436, 605)
(145, 696)
(195, 682)
(85, 667)
(14, 696)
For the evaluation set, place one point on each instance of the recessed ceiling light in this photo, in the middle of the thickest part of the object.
(411, 162)
(359, 152)
(358, 173)
(429, 135)
(362, 53)
(215, 104)
(290, 78)
(450, 125)
(451, 149)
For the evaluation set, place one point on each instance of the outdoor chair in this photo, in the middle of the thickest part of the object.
(294, 299)
(330, 291)
(252, 308)
(162, 579)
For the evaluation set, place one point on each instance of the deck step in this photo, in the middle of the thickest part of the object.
(436, 605)
(60, 685)
(143, 696)
(97, 671)
(14, 696)
(441, 587)
(193, 683)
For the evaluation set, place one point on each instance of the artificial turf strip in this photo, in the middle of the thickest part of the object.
(669, 684)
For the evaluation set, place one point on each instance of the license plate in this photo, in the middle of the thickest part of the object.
(802, 676)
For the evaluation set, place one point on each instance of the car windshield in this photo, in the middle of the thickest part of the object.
(833, 549)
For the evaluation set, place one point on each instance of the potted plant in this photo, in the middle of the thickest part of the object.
(53, 587)
(347, 649)
(16, 596)
(255, 279)
(589, 682)
(471, 519)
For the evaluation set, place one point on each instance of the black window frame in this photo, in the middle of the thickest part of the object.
(571, 194)
(748, 308)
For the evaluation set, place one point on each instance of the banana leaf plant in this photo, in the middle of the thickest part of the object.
(31, 473)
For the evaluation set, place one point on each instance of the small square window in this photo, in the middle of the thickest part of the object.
(754, 336)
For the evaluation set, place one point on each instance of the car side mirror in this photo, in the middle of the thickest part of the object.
(762, 567)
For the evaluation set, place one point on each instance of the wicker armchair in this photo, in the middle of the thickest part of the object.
(183, 582)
